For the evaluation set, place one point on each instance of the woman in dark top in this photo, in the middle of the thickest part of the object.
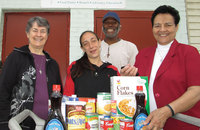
(27, 77)
(89, 75)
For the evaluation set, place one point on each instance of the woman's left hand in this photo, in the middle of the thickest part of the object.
(157, 118)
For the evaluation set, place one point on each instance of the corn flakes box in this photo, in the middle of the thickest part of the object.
(123, 89)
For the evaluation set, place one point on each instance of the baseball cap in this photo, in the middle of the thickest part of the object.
(112, 15)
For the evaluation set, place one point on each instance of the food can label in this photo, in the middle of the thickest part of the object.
(75, 115)
(106, 124)
(100, 117)
(54, 124)
(126, 124)
(138, 125)
(104, 103)
(90, 104)
(116, 121)
(92, 122)
(113, 107)
(90, 107)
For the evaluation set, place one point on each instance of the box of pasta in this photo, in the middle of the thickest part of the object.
(123, 90)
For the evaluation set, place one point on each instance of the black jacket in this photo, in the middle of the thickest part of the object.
(90, 82)
(17, 82)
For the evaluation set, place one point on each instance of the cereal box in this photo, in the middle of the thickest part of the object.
(123, 89)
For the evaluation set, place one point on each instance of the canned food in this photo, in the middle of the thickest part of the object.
(103, 103)
(116, 121)
(91, 121)
(90, 104)
(126, 124)
(106, 124)
(113, 107)
(102, 116)
(75, 115)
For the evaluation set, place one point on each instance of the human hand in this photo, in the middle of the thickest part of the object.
(128, 70)
(157, 118)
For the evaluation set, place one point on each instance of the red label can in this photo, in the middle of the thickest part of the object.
(126, 124)
(106, 124)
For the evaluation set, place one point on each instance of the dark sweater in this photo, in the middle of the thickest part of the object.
(17, 83)
(90, 82)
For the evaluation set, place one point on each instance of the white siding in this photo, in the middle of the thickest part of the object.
(193, 21)
(83, 19)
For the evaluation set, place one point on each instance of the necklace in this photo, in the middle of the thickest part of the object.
(161, 57)
(108, 54)
(40, 71)
(39, 67)
(39, 61)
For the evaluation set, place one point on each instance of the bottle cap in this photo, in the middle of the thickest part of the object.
(56, 87)
(139, 88)
(74, 96)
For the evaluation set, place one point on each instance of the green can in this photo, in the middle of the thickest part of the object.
(91, 122)
(116, 120)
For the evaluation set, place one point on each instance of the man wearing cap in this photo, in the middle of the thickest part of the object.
(117, 51)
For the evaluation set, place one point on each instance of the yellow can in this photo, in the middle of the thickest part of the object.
(116, 120)
(103, 103)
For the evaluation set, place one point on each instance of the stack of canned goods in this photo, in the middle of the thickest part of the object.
(110, 120)
(102, 118)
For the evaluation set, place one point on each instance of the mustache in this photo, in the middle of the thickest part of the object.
(104, 30)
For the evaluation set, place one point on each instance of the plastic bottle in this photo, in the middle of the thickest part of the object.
(55, 119)
(141, 113)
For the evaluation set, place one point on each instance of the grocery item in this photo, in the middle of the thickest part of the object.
(113, 107)
(103, 103)
(116, 120)
(92, 122)
(123, 89)
(141, 112)
(90, 104)
(106, 124)
(55, 119)
(126, 124)
(75, 115)
(102, 116)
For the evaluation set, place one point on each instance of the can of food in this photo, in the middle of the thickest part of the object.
(90, 104)
(75, 115)
(103, 103)
(126, 124)
(113, 107)
(116, 121)
(102, 116)
(106, 124)
(91, 121)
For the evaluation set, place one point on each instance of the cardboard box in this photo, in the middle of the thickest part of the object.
(123, 89)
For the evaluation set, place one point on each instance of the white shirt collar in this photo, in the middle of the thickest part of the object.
(167, 46)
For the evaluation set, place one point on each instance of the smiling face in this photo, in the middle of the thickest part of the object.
(164, 28)
(37, 36)
(91, 45)
(111, 27)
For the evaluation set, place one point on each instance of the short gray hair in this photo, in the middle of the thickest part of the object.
(42, 22)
